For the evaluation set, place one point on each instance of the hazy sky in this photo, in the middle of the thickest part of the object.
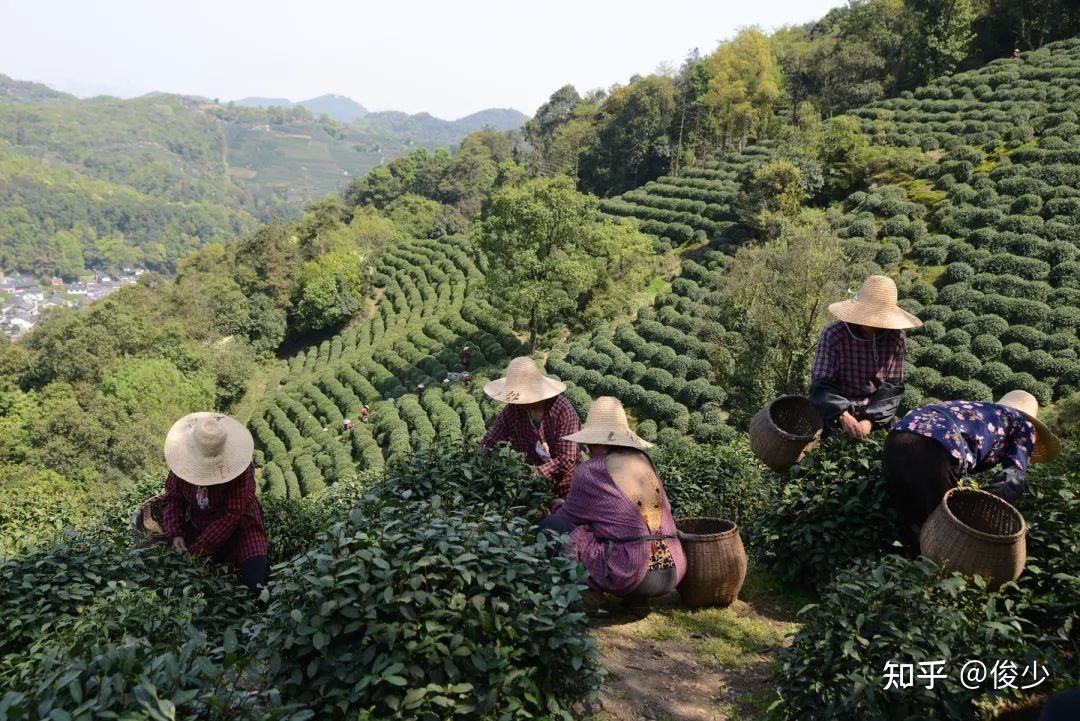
(448, 58)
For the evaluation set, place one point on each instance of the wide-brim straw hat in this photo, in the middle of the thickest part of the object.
(607, 425)
(875, 306)
(524, 383)
(208, 448)
(1047, 445)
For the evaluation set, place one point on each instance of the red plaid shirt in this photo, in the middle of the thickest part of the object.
(228, 524)
(858, 366)
(514, 426)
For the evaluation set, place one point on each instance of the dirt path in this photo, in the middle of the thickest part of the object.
(669, 663)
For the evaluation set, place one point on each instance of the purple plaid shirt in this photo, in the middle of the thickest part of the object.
(858, 366)
(543, 447)
(602, 511)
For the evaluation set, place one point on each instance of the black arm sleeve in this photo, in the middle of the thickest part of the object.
(881, 410)
(1008, 484)
(827, 401)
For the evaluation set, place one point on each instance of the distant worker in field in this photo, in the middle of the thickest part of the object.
(465, 353)
(347, 424)
(857, 379)
(210, 508)
(365, 413)
(617, 512)
(933, 447)
(535, 421)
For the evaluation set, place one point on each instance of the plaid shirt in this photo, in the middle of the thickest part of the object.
(227, 525)
(602, 511)
(857, 366)
(543, 447)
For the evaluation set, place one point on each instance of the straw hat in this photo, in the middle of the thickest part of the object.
(208, 448)
(524, 383)
(606, 425)
(1047, 445)
(875, 306)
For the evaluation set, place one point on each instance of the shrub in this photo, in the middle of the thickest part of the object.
(832, 509)
(420, 617)
(894, 610)
(986, 347)
(723, 480)
(909, 611)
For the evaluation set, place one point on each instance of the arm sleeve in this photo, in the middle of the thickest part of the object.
(883, 405)
(173, 507)
(499, 431)
(827, 401)
(1021, 446)
(564, 454)
(894, 372)
(606, 572)
(236, 502)
(1008, 484)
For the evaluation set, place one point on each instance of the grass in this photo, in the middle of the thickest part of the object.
(734, 637)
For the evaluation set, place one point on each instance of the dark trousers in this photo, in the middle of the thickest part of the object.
(918, 472)
(255, 572)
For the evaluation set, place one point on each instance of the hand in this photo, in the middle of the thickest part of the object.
(851, 427)
(179, 544)
(866, 427)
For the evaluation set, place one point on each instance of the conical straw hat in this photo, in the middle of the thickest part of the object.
(1047, 445)
(875, 306)
(524, 383)
(607, 425)
(208, 448)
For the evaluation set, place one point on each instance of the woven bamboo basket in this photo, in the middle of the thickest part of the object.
(148, 522)
(715, 561)
(782, 430)
(976, 532)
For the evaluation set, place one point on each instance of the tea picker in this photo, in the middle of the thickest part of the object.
(933, 447)
(857, 379)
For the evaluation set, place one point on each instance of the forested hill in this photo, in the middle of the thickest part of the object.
(105, 182)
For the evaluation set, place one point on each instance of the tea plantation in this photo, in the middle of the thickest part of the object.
(408, 580)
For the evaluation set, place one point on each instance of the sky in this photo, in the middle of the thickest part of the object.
(446, 58)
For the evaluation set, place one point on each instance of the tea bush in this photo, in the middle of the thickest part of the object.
(909, 611)
(832, 509)
(431, 613)
(893, 610)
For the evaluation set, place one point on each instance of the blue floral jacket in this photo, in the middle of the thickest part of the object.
(978, 435)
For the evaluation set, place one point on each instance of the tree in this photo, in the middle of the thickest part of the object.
(549, 259)
(772, 196)
(553, 114)
(632, 144)
(744, 87)
(843, 154)
(330, 291)
(941, 37)
(777, 296)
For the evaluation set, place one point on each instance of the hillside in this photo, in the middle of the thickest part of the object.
(408, 579)
(83, 171)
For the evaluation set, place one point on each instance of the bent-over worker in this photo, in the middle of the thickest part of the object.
(857, 380)
(933, 447)
(617, 512)
(210, 507)
(536, 420)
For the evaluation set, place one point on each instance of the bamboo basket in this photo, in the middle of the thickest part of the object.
(781, 431)
(715, 561)
(148, 522)
(976, 532)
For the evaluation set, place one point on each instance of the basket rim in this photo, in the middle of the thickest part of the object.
(982, 535)
(787, 435)
(684, 535)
